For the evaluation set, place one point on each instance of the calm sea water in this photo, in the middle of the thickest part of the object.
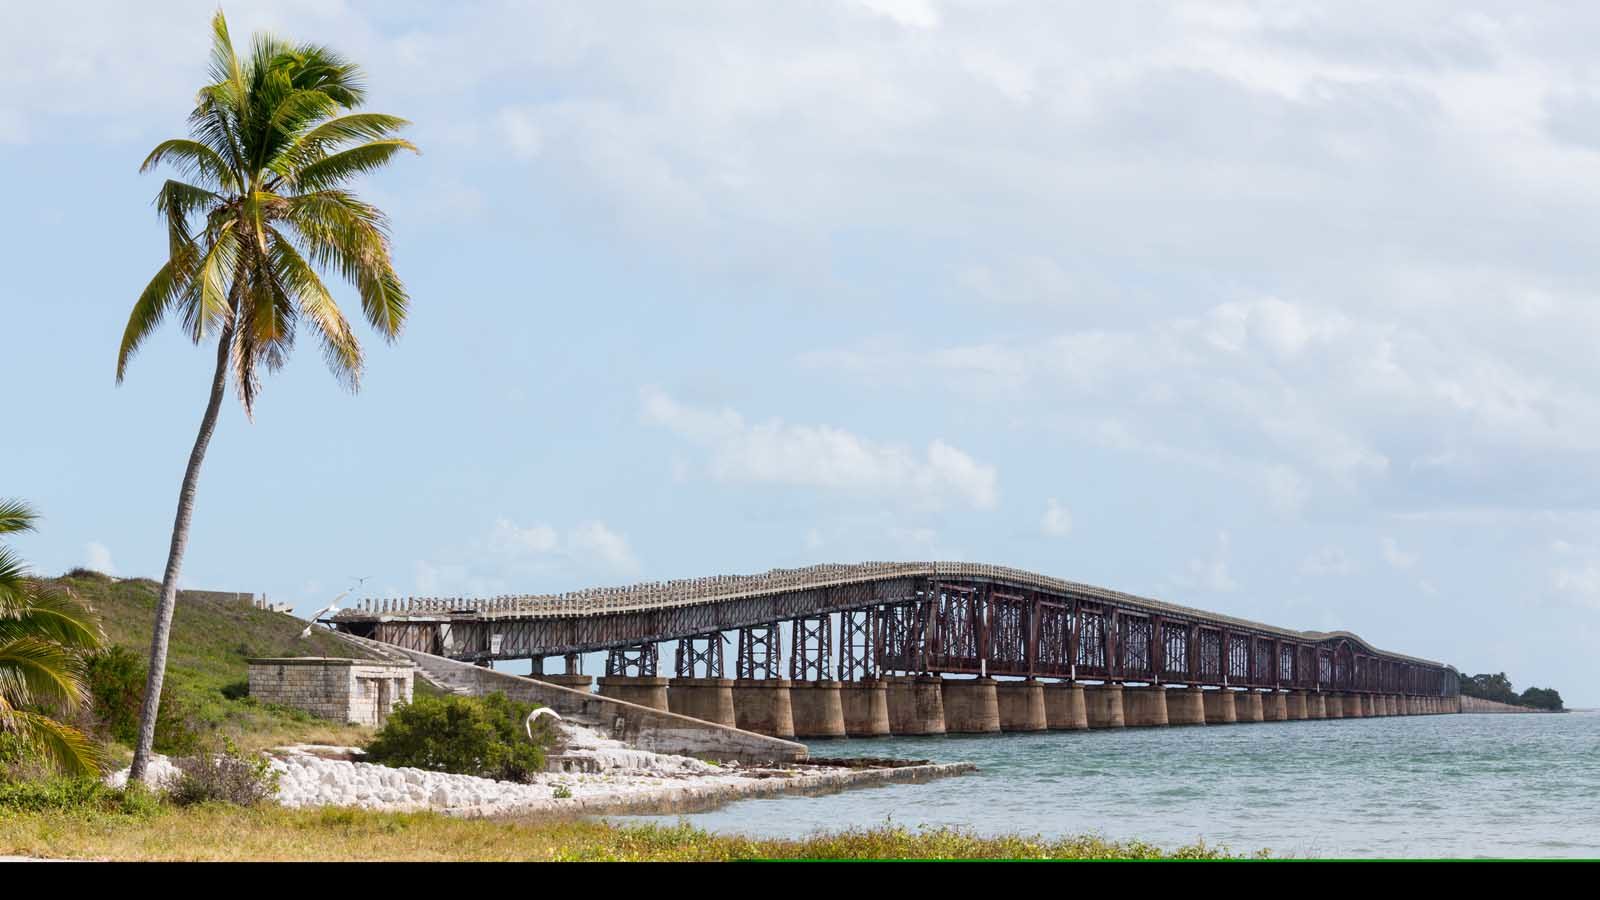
(1428, 786)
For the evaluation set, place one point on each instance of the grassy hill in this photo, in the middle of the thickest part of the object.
(212, 638)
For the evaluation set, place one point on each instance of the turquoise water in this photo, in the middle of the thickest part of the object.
(1426, 786)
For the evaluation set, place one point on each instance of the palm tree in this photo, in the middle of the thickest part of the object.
(44, 633)
(264, 206)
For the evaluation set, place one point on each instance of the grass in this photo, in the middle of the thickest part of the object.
(214, 832)
(211, 640)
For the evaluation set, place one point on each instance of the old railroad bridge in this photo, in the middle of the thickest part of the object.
(870, 647)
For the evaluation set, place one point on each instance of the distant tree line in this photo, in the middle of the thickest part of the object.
(1498, 687)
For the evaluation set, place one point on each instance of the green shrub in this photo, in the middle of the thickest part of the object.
(237, 690)
(74, 795)
(116, 677)
(224, 774)
(481, 736)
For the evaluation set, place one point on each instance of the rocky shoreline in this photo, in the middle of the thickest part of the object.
(600, 776)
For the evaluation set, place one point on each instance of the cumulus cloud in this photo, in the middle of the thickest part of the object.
(1209, 574)
(1327, 561)
(100, 558)
(1394, 556)
(822, 456)
(1057, 520)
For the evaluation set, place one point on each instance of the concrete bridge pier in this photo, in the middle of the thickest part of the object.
(1248, 706)
(1220, 707)
(1333, 705)
(1186, 706)
(1103, 705)
(1353, 707)
(1064, 708)
(1021, 705)
(642, 690)
(971, 706)
(1145, 707)
(916, 705)
(1316, 705)
(583, 683)
(762, 705)
(1294, 706)
(707, 699)
(1275, 706)
(866, 707)
(1391, 705)
(818, 709)
(1369, 706)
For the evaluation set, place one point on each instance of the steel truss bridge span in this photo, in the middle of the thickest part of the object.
(915, 617)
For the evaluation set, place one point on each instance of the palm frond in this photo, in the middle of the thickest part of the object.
(331, 135)
(335, 169)
(34, 671)
(16, 516)
(72, 751)
(192, 158)
(297, 279)
(53, 614)
(148, 311)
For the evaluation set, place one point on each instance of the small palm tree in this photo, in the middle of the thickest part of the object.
(44, 633)
(263, 208)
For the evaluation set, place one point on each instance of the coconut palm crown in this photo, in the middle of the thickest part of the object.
(44, 633)
(264, 205)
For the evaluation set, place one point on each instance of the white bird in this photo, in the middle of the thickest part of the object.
(332, 607)
(527, 724)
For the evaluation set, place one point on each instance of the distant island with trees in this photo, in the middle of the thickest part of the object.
(1498, 687)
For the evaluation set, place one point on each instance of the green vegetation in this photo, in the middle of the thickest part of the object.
(1497, 687)
(47, 824)
(44, 632)
(225, 774)
(212, 637)
(264, 208)
(482, 736)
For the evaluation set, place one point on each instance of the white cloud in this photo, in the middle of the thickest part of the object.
(100, 558)
(1057, 520)
(594, 541)
(909, 13)
(1327, 561)
(822, 456)
(508, 538)
(1209, 574)
(1394, 556)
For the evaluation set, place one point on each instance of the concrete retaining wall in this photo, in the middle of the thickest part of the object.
(648, 729)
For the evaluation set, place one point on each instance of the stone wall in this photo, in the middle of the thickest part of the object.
(356, 691)
(1480, 705)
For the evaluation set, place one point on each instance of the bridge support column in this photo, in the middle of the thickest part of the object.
(1145, 707)
(1369, 706)
(1186, 706)
(1248, 706)
(1275, 706)
(1064, 707)
(866, 707)
(1455, 704)
(643, 690)
(1407, 705)
(583, 683)
(1391, 705)
(1021, 705)
(1353, 707)
(1294, 706)
(762, 705)
(818, 709)
(1316, 705)
(916, 705)
(1333, 705)
(1103, 703)
(971, 706)
(707, 699)
(1220, 707)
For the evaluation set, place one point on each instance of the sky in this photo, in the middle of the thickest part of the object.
(1283, 310)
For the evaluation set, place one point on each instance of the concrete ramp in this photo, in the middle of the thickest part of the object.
(640, 726)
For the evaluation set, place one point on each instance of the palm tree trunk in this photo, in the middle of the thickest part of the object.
(169, 581)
